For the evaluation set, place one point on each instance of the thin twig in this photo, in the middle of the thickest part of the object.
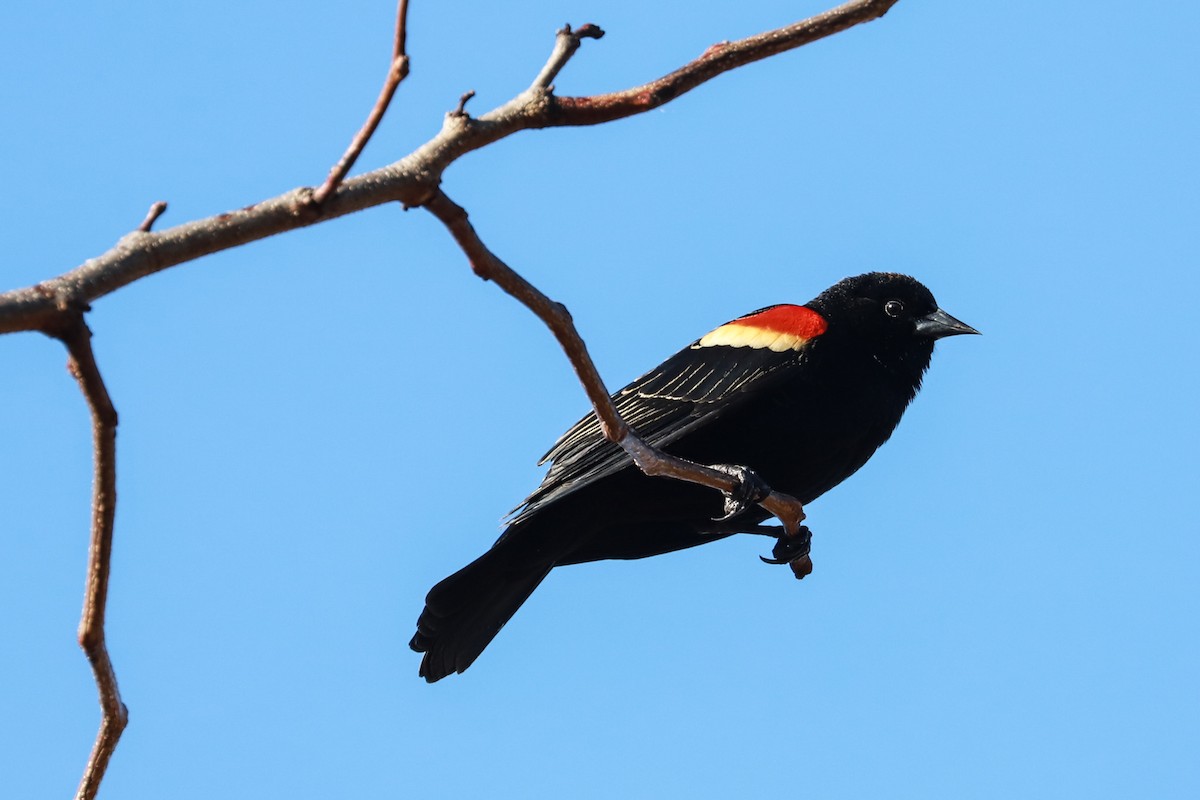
(488, 266)
(461, 109)
(650, 460)
(82, 364)
(409, 181)
(396, 73)
(717, 59)
(565, 44)
(152, 216)
(400, 38)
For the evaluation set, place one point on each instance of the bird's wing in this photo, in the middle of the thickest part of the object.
(693, 387)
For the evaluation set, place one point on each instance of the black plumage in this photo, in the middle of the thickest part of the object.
(802, 395)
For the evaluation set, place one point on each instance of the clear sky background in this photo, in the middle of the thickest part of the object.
(318, 427)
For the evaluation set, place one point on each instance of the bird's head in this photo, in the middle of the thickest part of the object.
(891, 317)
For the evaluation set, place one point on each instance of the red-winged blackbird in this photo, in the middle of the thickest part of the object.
(801, 395)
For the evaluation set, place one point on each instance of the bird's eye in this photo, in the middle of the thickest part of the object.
(893, 308)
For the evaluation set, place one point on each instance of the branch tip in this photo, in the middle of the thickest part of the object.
(401, 33)
(461, 109)
(589, 31)
(152, 216)
(397, 72)
(566, 42)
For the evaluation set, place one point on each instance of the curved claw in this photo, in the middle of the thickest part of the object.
(750, 491)
(790, 548)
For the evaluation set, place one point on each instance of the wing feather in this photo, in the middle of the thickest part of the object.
(694, 386)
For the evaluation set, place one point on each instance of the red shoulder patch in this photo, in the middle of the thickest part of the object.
(796, 320)
(778, 328)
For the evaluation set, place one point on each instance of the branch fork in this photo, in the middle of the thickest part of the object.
(397, 72)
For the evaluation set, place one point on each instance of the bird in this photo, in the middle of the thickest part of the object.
(792, 397)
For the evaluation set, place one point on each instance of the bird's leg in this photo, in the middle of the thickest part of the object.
(749, 492)
(790, 548)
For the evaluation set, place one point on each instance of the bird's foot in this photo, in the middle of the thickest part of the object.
(749, 492)
(793, 550)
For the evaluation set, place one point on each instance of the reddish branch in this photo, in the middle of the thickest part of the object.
(488, 266)
(461, 109)
(411, 180)
(719, 58)
(565, 45)
(397, 72)
(74, 333)
(152, 216)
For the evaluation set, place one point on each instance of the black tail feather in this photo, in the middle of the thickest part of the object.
(465, 611)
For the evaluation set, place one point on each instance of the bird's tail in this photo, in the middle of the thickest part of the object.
(465, 611)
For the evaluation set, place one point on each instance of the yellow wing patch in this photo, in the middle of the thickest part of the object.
(778, 329)
(734, 335)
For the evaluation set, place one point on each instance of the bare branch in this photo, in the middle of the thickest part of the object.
(712, 62)
(650, 460)
(461, 109)
(82, 365)
(488, 266)
(397, 72)
(152, 216)
(410, 181)
(565, 45)
(401, 36)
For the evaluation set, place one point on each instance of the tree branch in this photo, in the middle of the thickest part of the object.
(57, 306)
(152, 216)
(412, 179)
(75, 335)
(397, 72)
(712, 62)
(565, 45)
(650, 460)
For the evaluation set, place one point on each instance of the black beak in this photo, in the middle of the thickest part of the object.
(940, 324)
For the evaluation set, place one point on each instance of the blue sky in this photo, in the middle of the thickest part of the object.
(317, 427)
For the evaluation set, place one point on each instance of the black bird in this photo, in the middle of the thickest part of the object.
(801, 395)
